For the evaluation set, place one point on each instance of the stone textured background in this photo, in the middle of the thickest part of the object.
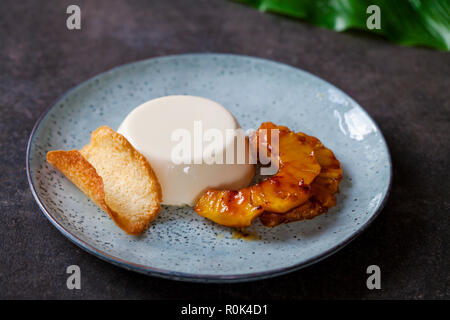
(406, 90)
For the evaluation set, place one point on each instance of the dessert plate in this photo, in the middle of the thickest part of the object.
(180, 244)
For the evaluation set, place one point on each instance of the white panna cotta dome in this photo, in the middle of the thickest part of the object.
(151, 128)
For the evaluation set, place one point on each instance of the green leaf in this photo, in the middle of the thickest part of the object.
(407, 22)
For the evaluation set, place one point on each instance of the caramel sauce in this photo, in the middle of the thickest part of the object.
(245, 235)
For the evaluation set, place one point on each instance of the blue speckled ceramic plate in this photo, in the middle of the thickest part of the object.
(180, 244)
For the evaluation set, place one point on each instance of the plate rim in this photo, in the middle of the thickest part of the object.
(186, 276)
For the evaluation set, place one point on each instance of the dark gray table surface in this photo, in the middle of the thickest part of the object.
(406, 90)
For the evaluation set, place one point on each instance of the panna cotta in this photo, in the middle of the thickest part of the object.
(186, 140)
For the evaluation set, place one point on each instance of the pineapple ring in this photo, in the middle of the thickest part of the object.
(287, 189)
(324, 188)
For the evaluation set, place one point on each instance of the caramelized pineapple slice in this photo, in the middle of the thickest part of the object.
(324, 188)
(287, 189)
(228, 208)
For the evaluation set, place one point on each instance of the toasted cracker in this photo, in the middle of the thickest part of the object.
(115, 176)
(78, 170)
